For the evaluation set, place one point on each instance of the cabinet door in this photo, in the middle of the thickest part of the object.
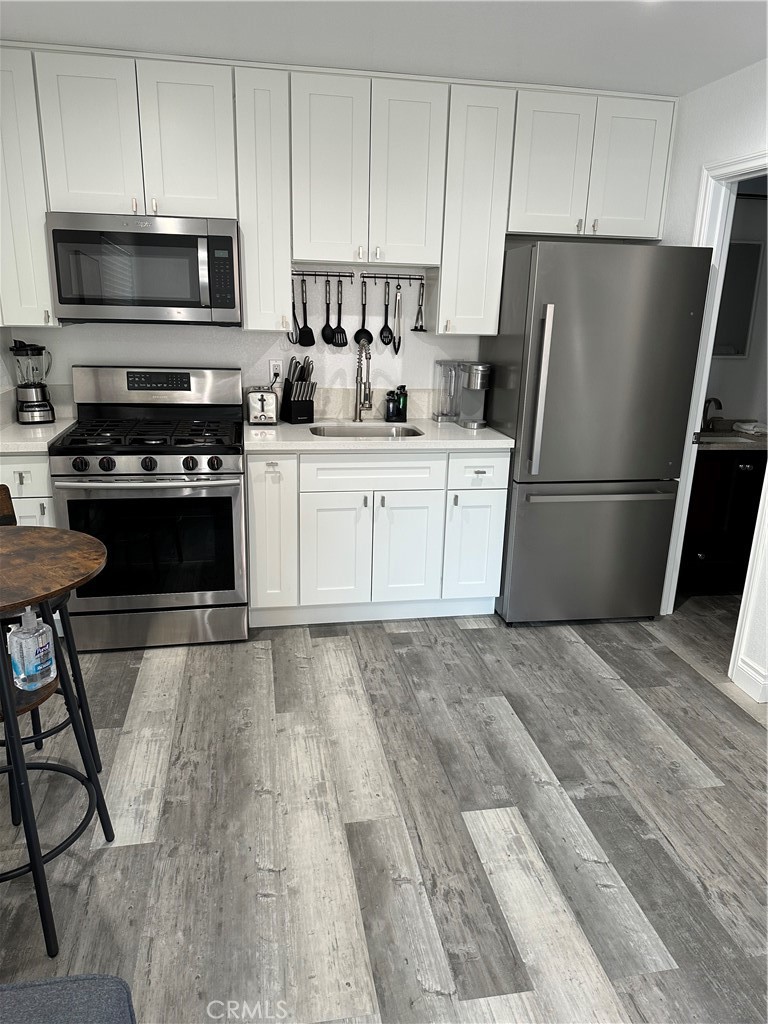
(188, 138)
(25, 295)
(551, 161)
(629, 167)
(90, 123)
(407, 545)
(474, 543)
(330, 130)
(476, 194)
(264, 177)
(273, 531)
(335, 540)
(409, 125)
(34, 511)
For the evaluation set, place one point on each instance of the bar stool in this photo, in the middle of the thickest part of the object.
(41, 565)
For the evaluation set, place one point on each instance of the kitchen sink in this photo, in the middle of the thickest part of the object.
(723, 435)
(365, 430)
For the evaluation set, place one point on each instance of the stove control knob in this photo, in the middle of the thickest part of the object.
(148, 463)
(189, 463)
(107, 463)
(214, 462)
(80, 464)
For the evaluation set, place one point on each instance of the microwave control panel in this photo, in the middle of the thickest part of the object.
(222, 273)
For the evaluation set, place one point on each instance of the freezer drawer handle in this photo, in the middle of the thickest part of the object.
(541, 397)
(540, 499)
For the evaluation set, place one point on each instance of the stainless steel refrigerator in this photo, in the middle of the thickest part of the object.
(592, 374)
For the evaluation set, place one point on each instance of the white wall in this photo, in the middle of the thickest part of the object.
(721, 121)
(742, 384)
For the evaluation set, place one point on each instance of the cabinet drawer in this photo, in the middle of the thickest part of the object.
(374, 472)
(26, 476)
(478, 470)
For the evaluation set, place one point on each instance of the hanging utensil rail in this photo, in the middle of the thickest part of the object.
(322, 274)
(410, 278)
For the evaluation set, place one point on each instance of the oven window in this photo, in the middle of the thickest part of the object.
(110, 269)
(158, 545)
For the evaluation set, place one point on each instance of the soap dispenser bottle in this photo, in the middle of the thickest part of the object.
(31, 648)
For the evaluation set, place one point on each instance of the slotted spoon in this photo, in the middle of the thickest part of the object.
(363, 334)
(339, 335)
(326, 332)
(386, 333)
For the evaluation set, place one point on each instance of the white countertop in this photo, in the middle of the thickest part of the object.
(297, 438)
(24, 439)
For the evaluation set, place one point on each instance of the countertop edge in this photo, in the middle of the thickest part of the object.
(296, 439)
(23, 439)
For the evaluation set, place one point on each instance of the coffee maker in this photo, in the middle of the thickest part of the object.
(33, 363)
(474, 380)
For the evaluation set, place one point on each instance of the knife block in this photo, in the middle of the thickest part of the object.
(296, 411)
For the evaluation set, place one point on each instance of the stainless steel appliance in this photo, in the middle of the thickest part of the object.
(33, 364)
(153, 467)
(473, 384)
(592, 374)
(262, 405)
(153, 269)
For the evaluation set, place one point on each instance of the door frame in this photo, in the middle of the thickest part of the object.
(714, 218)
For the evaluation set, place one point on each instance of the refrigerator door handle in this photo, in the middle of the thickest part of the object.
(541, 395)
(540, 499)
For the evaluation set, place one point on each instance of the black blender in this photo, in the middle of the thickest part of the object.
(33, 403)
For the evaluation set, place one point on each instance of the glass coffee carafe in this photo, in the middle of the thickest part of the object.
(446, 407)
(33, 402)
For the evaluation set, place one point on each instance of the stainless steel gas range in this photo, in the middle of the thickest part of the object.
(153, 467)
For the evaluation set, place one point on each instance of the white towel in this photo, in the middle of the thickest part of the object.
(750, 427)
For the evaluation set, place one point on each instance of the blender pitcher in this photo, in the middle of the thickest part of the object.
(33, 364)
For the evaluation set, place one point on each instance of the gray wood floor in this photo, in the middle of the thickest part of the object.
(424, 821)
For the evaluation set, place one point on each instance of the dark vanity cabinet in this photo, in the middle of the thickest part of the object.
(721, 521)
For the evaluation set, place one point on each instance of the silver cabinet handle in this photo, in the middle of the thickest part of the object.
(481, 472)
(42, 508)
(378, 252)
(134, 204)
(154, 205)
(46, 316)
(455, 499)
(541, 397)
(594, 226)
(202, 270)
(284, 323)
(383, 501)
(272, 465)
(548, 499)
(365, 501)
(360, 252)
(579, 225)
(746, 467)
(448, 326)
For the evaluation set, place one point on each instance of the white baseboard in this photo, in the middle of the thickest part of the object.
(748, 675)
(371, 612)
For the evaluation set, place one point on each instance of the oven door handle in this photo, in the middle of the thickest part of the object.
(155, 485)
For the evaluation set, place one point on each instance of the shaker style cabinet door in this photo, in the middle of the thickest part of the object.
(474, 543)
(336, 531)
(629, 167)
(476, 194)
(407, 545)
(90, 124)
(188, 138)
(273, 531)
(551, 162)
(409, 125)
(25, 291)
(34, 511)
(264, 185)
(330, 131)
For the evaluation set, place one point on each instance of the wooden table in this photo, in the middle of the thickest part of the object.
(37, 565)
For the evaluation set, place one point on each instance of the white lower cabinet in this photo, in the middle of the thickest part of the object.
(273, 522)
(34, 511)
(407, 545)
(336, 536)
(28, 480)
(474, 543)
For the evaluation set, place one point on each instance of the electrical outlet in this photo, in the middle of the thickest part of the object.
(275, 367)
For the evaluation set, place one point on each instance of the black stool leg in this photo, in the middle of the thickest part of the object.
(70, 699)
(77, 678)
(37, 727)
(21, 786)
(13, 798)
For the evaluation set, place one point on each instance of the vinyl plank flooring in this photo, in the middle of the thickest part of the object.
(479, 622)
(403, 626)
(291, 654)
(568, 980)
(328, 974)
(327, 629)
(109, 679)
(691, 996)
(521, 1008)
(360, 769)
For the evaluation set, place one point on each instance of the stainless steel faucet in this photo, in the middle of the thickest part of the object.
(363, 388)
(707, 424)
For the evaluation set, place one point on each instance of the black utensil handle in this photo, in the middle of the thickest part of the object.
(304, 300)
(386, 294)
(364, 302)
(327, 292)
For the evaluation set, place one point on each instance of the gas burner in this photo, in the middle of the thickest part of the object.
(149, 440)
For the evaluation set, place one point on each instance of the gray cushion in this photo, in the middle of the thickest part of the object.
(87, 999)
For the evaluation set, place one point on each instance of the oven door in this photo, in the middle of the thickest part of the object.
(170, 543)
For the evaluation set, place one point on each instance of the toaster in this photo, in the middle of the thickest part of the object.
(262, 405)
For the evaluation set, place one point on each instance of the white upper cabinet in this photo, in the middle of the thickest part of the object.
(551, 162)
(409, 125)
(476, 193)
(90, 125)
(25, 294)
(330, 130)
(629, 167)
(188, 138)
(264, 197)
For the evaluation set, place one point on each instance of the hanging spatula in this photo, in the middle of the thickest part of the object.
(306, 337)
(339, 335)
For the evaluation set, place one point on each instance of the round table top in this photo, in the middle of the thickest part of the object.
(39, 563)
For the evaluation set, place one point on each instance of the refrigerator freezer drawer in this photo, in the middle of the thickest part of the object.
(577, 551)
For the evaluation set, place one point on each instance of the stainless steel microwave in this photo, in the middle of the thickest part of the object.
(153, 269)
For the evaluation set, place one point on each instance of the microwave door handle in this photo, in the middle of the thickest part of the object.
(202, 270)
